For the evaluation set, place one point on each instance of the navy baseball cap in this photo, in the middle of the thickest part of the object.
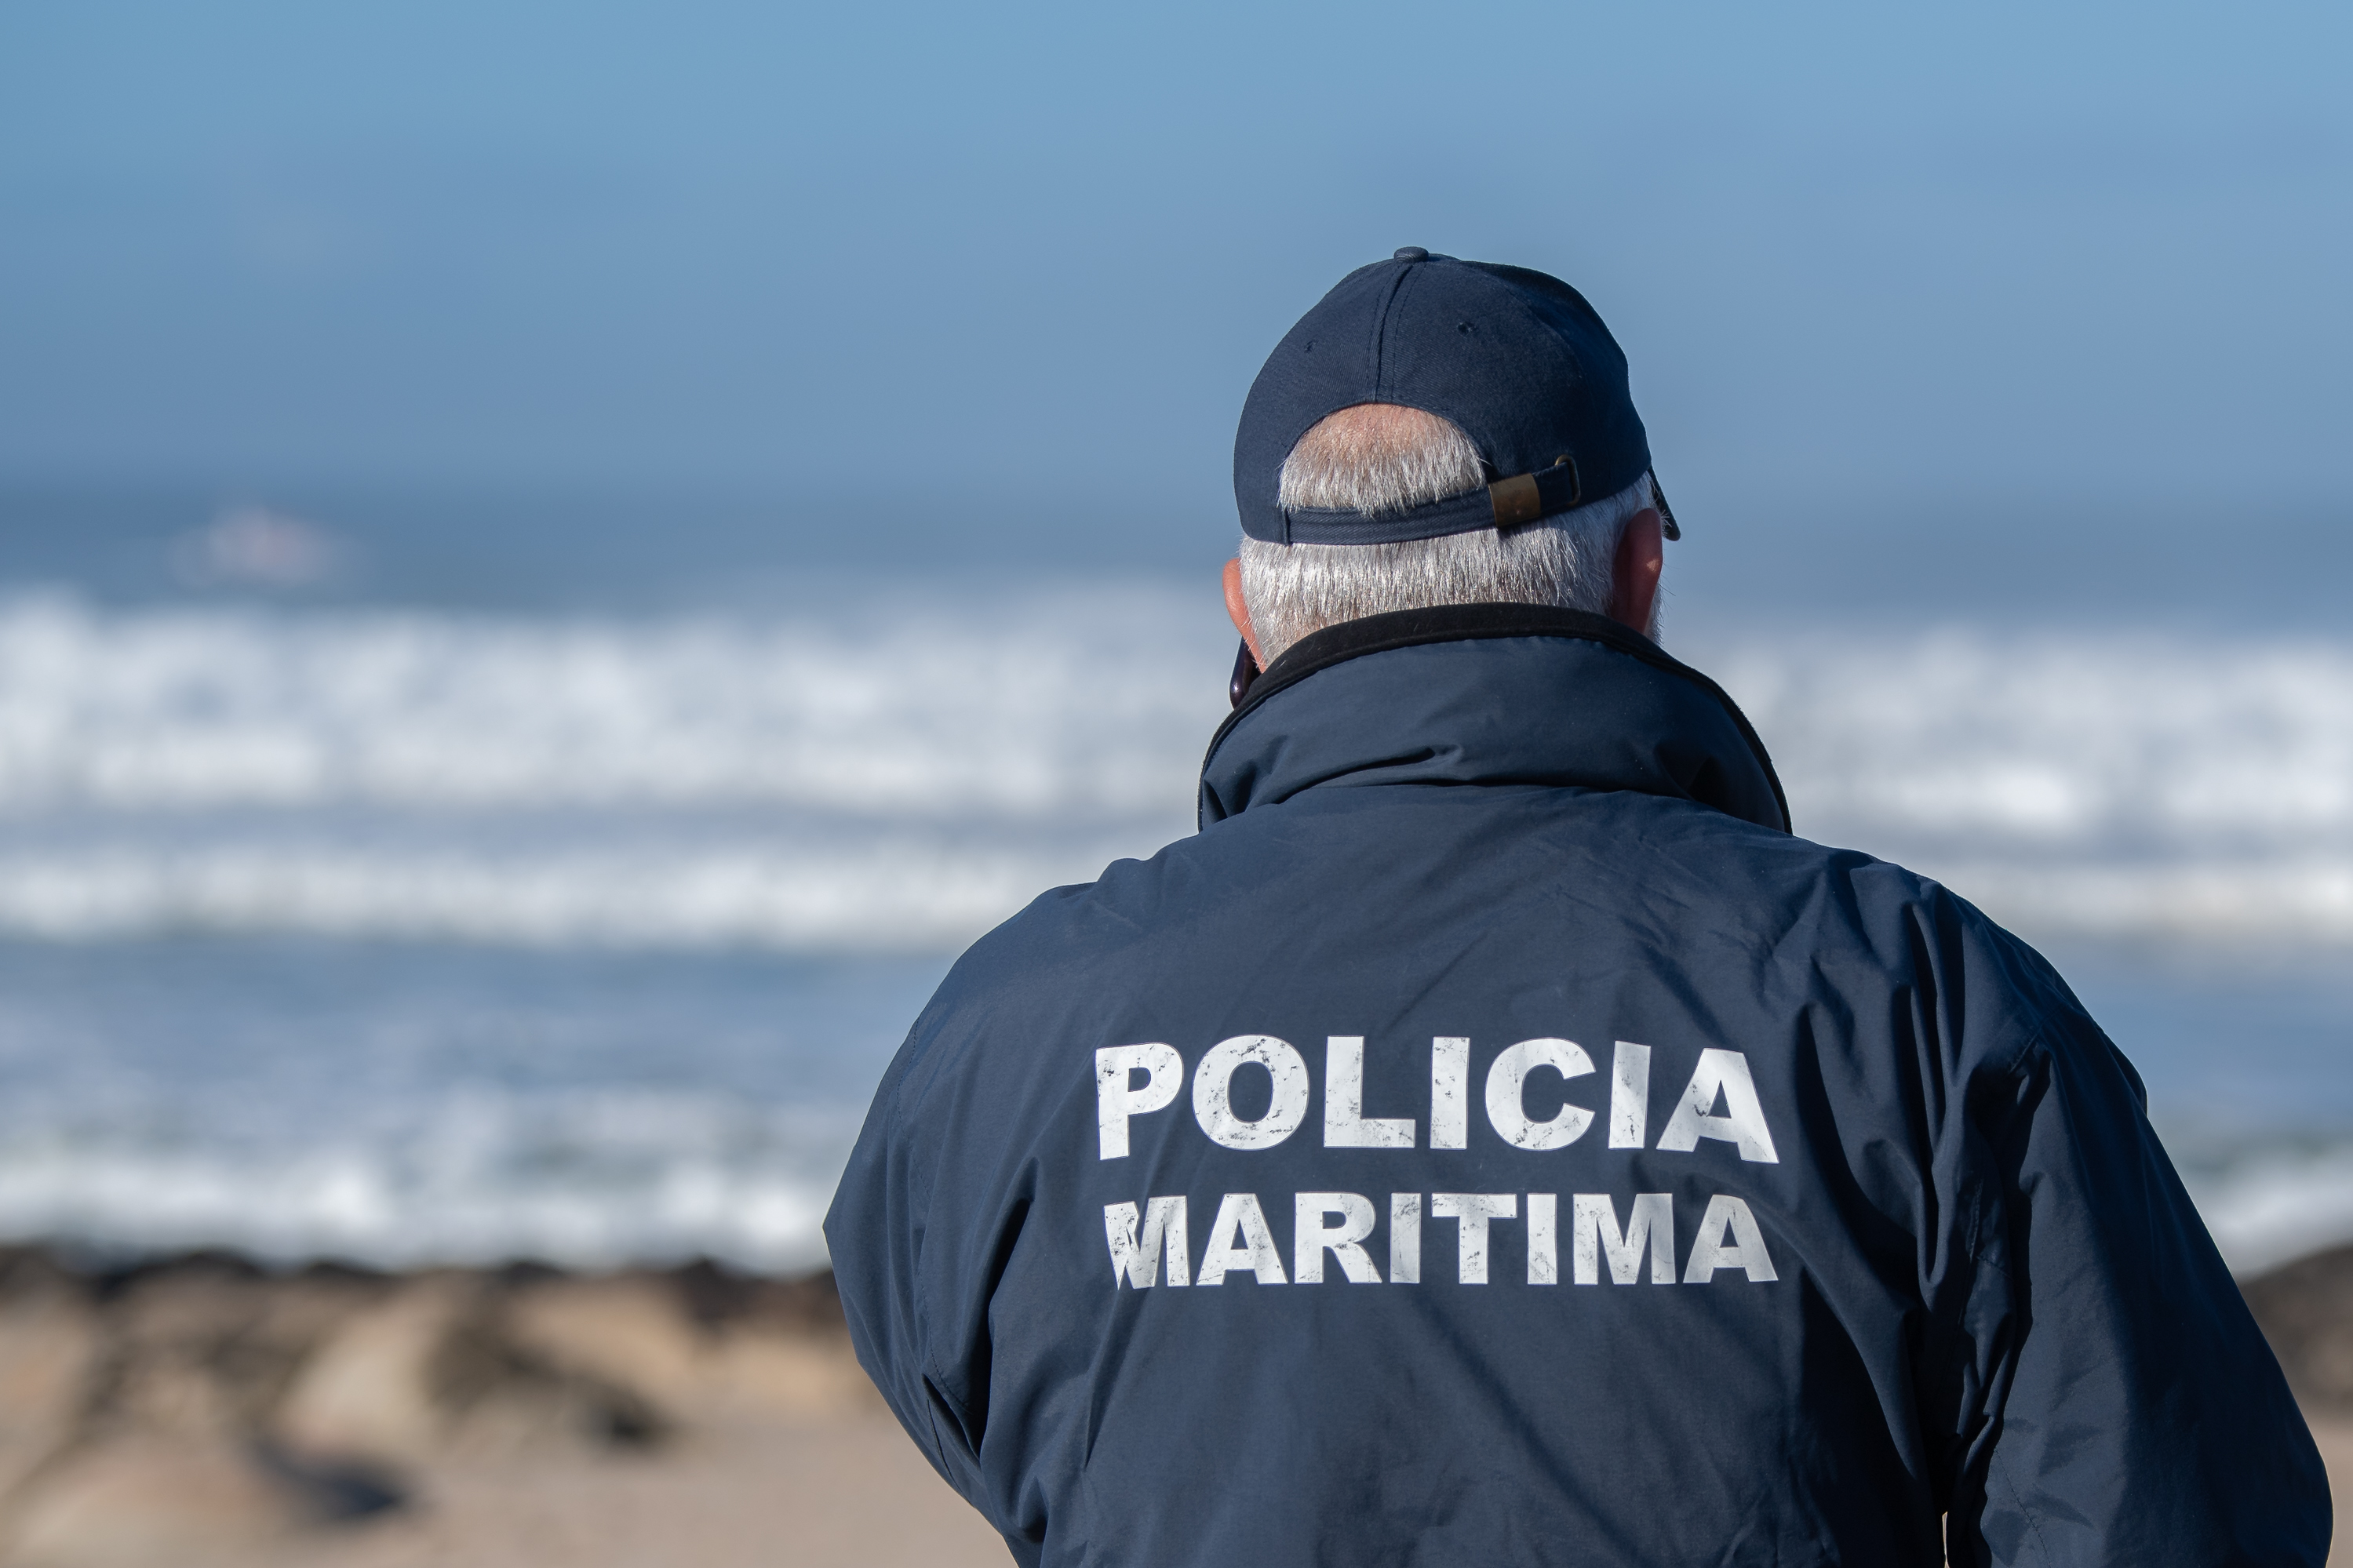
(1517, 359)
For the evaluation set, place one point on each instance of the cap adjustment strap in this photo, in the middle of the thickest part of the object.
(1516, 500)
(1507, 503)
(1525, 498)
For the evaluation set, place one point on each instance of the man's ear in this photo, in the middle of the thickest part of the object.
(1238, 610)
(1634, 575)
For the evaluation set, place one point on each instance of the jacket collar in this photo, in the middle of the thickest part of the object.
(1472, 694)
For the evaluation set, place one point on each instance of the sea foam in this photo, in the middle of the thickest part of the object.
(884, 776)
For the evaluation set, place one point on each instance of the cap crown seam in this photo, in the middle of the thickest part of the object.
(1381, 332)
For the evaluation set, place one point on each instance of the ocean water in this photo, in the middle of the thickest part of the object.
(403, 926)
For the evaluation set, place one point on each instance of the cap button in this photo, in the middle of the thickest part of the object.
(1411, 253)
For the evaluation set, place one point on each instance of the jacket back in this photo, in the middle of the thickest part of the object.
(1494, 1139)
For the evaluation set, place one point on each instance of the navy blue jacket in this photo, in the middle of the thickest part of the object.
(1495, 1140)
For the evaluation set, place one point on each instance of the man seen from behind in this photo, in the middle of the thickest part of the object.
(1494, 1138)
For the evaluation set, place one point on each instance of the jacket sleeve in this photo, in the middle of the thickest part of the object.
(875, 1232)
(2128, 1409)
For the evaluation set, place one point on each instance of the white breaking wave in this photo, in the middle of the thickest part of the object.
(2098, 784)
(862, 778)
(406, 1106)
(360, 1205)
(895, 776)
(595, 1182)
(346, 1205)
(896, 896)
(2305, 899)
(1100, 701)
(2059, 743)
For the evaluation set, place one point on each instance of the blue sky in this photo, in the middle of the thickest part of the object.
(955, 259)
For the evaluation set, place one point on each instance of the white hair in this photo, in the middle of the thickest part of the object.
(1382, 458)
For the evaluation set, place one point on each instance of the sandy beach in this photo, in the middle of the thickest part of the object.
(204, 1410)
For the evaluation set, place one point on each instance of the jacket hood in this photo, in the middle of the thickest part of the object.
(1488, 694)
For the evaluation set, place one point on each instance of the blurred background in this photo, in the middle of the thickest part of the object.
(558, 562)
